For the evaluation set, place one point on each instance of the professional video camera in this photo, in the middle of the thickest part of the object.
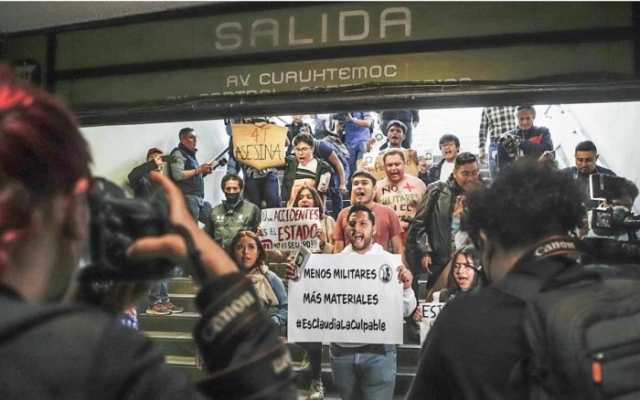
(116, 222)
(340, 117)
(613, 220)
(510, 144)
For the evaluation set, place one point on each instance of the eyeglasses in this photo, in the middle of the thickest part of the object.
(194, 137)
(468, 174)
(447, 144)
(302, 149)
(457, 266)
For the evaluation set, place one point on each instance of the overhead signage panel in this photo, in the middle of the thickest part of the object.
(509, 64)
(324, 26)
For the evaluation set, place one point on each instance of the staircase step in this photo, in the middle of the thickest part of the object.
(185, 300)
(183, 285)
(186, 365)
(174, 343)
(183, 322)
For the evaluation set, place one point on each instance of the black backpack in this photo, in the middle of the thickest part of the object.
(582, 328)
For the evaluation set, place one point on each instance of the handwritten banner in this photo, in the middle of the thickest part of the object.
(289, 228)
(347, 298)
(260, 146)
(430, 312)
(374, 163)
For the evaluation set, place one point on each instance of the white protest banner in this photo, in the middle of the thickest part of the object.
(347, 298)
(260, 146)
(430, 312)
(289, 228)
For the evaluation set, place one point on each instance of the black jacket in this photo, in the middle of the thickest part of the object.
(583, 184)
(77, 352)
(431, 228)
(477, 340)
(141, 182)
(433, 173)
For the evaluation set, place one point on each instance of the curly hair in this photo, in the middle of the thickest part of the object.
(525, 203)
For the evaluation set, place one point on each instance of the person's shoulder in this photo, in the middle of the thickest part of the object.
(606, 171)
(435, 186)
(342, 215)
(83, 329)
(414, 180)
(379, 209)
(248, 205)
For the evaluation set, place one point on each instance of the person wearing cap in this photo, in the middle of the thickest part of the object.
(144, 187)
(139, 178)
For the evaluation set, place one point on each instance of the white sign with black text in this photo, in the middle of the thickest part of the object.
(347, 298)
(430, 312)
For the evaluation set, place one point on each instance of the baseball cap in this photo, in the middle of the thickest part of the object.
(154, 150)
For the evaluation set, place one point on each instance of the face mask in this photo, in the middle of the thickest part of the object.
(232, 198)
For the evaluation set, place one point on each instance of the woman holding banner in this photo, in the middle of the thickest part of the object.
(312, 361)
(308, 197)
(247, 251)
(463, 275)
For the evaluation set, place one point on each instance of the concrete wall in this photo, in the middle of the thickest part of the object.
(118, 149)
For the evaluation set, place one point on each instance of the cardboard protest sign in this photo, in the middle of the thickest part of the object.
(347, 298)
(430, 312)
(260, 146)
(289, 228)
(373, 162)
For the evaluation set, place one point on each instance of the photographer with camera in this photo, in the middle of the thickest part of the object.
(145, 188)
(72, 350)
(526, 140)
(586, 155)
(521, 225)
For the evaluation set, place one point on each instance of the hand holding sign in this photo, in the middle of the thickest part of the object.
(404, 276)
(259, 146)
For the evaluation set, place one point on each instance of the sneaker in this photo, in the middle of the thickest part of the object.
(172, 308)
(158, 309)
(316, 391)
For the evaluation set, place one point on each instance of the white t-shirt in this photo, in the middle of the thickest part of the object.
(446, 170)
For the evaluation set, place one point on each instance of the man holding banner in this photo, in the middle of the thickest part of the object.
(388, 232)
(360, 371)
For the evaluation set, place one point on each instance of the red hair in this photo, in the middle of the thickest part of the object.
(42, 151)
